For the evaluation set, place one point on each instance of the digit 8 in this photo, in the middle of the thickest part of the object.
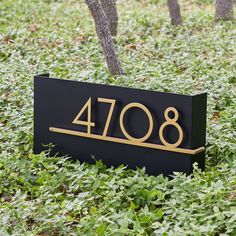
(171, 121)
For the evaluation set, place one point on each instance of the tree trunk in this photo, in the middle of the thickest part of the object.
(109, 7)
(104, 35)
(174, 10)
(224, 10)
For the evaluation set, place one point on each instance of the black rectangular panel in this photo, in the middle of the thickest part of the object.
(138, 132)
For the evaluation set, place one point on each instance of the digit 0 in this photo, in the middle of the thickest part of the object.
(141, 106)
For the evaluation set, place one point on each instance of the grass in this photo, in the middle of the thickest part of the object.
(41, 195)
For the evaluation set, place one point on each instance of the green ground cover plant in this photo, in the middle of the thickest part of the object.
(41, 195)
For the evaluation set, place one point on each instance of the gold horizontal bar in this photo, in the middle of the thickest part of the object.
(126, 141)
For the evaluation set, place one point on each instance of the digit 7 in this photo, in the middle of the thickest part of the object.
(108, 121)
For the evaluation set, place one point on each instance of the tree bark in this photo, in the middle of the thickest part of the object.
(174, 10)
(109, 7)
(105, 37)
(224, 10)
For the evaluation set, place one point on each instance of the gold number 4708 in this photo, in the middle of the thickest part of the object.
(169, 121)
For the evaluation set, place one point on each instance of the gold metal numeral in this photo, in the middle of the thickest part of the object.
(171, 121)
(141, 106)
(88, 123)
(129, 139)
(112, 102)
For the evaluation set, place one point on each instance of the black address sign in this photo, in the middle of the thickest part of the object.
(162, 132)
